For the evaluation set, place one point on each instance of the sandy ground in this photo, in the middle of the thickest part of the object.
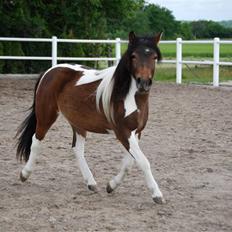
(188, 141)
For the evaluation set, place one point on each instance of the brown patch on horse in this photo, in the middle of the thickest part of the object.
(78, 104)
(48, 91)
(142, 104)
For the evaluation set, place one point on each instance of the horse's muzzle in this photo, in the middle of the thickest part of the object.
(143, 85)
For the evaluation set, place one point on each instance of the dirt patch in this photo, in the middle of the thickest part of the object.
(188, 141)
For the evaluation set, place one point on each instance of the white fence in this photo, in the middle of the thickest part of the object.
(117, 42)
(215, 62)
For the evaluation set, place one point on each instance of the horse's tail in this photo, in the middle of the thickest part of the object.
(26, 130)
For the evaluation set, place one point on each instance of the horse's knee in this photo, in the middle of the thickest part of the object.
(128, 162)
(143, 163)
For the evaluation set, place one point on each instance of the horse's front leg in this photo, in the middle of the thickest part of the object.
(144, 165)
(78, 148)
(130, 142)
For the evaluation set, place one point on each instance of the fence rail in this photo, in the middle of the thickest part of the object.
(117, 42)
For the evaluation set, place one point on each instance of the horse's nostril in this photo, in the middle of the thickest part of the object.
(138, 80)
(150, 82)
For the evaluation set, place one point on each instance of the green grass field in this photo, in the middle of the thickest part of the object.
(192, 74)
(199, 74)
(197, 51)
(193, 50)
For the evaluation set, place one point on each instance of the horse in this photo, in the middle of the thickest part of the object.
(114, 99)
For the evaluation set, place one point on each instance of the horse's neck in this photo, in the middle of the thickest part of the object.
(122, 81)
(125, 88)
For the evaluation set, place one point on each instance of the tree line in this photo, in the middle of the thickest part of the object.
(87, 19)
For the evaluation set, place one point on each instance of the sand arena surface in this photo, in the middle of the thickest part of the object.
(188, 141)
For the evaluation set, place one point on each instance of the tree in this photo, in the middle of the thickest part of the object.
(186, 30)
(85, 19)
(161, 19)
(150, 19)
(209, 29)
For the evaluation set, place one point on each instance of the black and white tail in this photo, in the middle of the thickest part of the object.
(26, 130)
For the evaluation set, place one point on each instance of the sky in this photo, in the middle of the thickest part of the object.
(216, 10)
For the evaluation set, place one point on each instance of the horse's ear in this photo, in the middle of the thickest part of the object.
(158, 37)
(131, 37)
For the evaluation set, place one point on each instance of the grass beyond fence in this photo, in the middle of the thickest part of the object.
(196, 51)
(199, 74)
(194, 74)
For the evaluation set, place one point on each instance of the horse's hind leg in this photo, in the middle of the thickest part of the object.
(127, 163)
(44, 122)
(27, 170)
(78, 147)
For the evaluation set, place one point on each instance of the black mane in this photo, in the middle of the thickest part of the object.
(122, 74)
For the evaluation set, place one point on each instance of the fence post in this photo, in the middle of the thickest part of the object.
(216, 58)
(54, 50)
(118, 50)
(178, 60)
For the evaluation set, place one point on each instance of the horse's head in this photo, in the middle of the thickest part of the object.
(142, 55)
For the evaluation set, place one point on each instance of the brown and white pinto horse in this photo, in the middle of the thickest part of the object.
(114, 99)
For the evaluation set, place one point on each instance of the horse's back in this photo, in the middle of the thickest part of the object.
(55, 79)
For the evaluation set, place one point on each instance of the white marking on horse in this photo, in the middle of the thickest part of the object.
(129, 102)
(144, 165)
(104, 92)
(35, 148)
(79, 152)
(88, 76)
(75, 67)
(92, 75)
